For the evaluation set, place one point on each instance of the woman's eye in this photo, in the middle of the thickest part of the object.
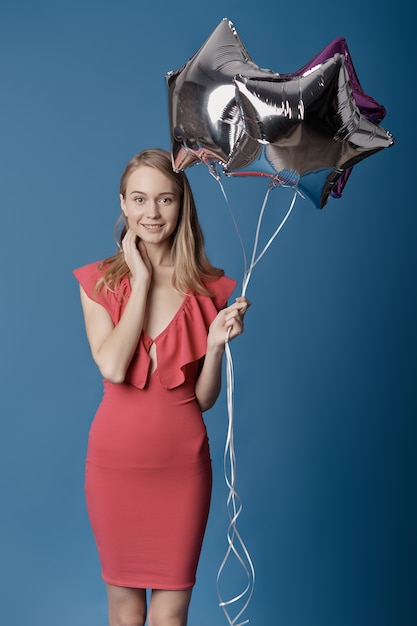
(139, 200)
(165, 200)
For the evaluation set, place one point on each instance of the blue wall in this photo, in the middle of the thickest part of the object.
(326, 371)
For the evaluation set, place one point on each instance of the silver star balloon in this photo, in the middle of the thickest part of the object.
(308, 129)
(205, 120)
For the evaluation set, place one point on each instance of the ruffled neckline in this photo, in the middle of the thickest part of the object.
(182, 341)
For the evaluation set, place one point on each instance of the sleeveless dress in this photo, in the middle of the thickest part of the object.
(148, 470)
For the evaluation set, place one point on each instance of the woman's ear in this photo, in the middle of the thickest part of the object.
(123, 205)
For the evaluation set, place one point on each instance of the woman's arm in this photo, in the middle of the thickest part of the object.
(228, 322)
(113, 347)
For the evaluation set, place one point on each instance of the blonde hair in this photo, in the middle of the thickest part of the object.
(191, 265)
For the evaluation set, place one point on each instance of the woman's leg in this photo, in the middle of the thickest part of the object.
(169, 608)
(127, 606)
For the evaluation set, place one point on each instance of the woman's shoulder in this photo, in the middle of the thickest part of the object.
(220, 289)
(94, 267)
(88, 275)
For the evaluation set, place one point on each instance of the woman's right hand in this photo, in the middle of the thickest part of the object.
(136, 257)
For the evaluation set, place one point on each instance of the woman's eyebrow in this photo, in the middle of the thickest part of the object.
(162, 193)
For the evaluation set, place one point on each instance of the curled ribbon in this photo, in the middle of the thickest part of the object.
(236, 545)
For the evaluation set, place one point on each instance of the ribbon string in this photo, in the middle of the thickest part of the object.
(236, 545)
(255, 259)
(245, 262)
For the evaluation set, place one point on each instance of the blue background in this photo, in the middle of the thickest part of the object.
(325, 372)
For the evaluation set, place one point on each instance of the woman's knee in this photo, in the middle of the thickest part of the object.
(127, 617)
(163, 619)
(128, 620)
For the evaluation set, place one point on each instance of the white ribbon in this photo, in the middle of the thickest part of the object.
(236, 545)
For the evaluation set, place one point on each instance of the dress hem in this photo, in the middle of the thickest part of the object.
(139, 586)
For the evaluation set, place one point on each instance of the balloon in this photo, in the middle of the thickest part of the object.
(205, 121)
(308, 128)
(366, 104)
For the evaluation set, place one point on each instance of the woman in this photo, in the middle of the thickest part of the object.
(156, 320)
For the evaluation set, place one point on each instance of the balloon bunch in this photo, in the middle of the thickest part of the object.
(304, 130)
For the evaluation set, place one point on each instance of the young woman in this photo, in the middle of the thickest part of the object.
(156, 321)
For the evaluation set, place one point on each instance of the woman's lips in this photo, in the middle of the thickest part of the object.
(152, 228)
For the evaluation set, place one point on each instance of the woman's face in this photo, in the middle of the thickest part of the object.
(151, 205)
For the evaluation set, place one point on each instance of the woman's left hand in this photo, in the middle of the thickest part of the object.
(228, 323)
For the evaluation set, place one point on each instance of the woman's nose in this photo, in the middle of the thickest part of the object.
(153, 210)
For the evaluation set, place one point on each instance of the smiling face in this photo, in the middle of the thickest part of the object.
(151, 205)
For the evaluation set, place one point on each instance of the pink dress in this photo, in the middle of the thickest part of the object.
(148, 469)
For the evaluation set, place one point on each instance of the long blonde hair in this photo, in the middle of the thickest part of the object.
(191, 265)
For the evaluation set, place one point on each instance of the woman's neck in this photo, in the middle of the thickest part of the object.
(159, 254)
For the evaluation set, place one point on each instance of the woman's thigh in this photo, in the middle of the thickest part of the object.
(126, 605)
(169, 607)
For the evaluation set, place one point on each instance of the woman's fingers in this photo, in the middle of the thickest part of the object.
(135, 255)
(128, 242)
(228, 324)
(243, 300)
(234, 316)
(238, 309)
